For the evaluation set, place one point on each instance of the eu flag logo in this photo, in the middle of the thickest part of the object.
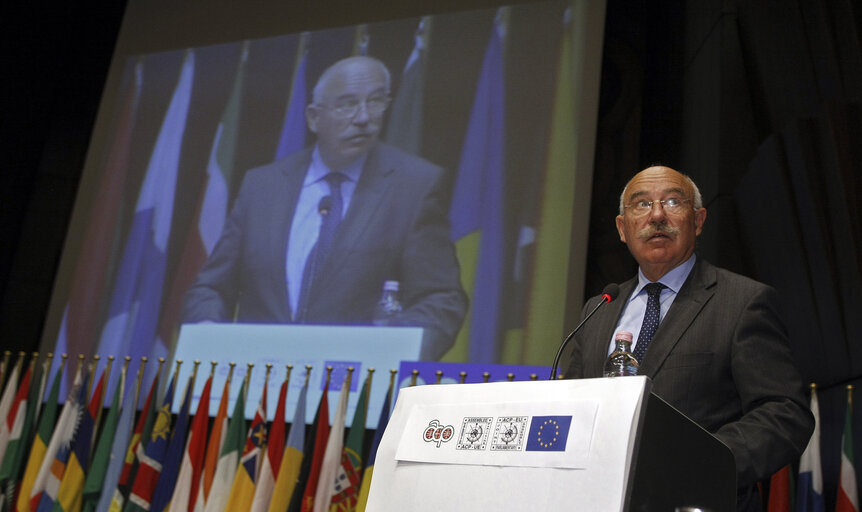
(548, 433)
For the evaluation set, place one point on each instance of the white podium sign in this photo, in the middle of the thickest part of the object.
(381, 348)
(575, 438)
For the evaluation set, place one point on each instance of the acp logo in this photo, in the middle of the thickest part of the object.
(437, 433)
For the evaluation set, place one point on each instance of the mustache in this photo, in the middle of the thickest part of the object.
(654, 229)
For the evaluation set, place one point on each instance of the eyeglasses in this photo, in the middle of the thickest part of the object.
(671, 206)
(347, 108)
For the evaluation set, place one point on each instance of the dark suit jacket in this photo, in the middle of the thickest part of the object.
(721, 357)
(395, 228)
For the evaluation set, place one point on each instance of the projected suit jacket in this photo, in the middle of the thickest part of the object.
(721, 357)
(396, 228)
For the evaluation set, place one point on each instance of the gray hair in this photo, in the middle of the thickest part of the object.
(697, 202)
(317, 93)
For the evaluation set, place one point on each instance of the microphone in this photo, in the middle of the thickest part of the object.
(325, 205)
(608, 294)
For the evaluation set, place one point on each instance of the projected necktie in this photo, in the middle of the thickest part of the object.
(652, 315)
(331, 210)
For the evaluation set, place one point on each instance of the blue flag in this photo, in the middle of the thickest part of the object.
(292, 137)
(137, 295)
(477, 209)
(548, 433)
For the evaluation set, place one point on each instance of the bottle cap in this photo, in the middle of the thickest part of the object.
(390, 286)
(624, 335)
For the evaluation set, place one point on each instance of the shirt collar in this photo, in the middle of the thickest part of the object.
(673, 279)
(317, 170)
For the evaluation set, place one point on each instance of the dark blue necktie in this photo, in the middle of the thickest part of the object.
(652, 316)
(331, 209)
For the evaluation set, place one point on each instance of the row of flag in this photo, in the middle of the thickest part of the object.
(808, 495)
(75, 460)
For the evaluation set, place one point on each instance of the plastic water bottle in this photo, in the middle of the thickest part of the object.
(388, 306)
(621, 362)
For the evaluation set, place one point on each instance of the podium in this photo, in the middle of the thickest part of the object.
(591, 444)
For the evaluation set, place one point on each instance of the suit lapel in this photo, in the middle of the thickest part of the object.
(693, 296)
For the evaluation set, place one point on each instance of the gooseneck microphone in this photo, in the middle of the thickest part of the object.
(608, 294)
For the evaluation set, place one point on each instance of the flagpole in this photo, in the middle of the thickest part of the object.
(101, 404)
(94, 365)
(6, 355)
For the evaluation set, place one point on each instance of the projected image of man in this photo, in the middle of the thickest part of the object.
(311, 238)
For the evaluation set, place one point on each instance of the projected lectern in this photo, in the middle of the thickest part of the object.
(592, 444)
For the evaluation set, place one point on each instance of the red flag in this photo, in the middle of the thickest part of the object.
(320, 439)
(779, 491)
(189, 478)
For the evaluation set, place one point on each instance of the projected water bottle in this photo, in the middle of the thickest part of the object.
(388, 306)
(621, 362)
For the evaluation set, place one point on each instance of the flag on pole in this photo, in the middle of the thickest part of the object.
(47, 484)
(548, 287)
(136, 299)
(230, 453)
(809, 491)
(80, 323)
(780, 491)
(212, 205)
(372, 455)
(243, 488)
(331, 461)
(135, 446)
(272, 458)
(349, 474)
(292, 137)
(71, 493)
(21, 435)
(191, 469)
(291, 458)
(848, 494)
(215, 444)
(40, 443)
(12, 426)
(477, 208)
(97, 476)
(9, 399)
(176, 448)
(303, 496)
(151, 457)
(404, 128)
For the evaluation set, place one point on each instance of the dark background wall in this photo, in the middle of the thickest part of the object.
(759, 101)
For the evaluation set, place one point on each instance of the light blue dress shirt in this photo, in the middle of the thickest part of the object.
(305, 226)
(635, 307)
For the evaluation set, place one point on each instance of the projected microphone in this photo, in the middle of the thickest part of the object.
(325, 205)
(608, 294)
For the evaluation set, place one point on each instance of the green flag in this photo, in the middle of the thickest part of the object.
(230, 453)
(13, 460)
(99, 464)
(40, 442)
(346, 492)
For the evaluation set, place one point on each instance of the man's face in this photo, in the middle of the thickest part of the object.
(660, 238)
(343, 136)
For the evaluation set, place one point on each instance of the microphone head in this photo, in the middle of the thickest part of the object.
(325, 205)
(610, 292)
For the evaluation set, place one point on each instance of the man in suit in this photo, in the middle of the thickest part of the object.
(711, 341)
(384, 211)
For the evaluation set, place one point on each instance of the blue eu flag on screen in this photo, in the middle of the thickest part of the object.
(548, 433)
